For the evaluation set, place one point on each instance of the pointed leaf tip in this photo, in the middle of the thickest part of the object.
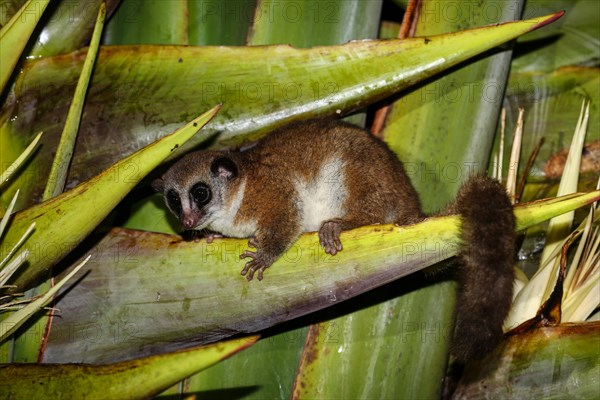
(56, 218)
(134, 379)
(197, 124)
(548, 19)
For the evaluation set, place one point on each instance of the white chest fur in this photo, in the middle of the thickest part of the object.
(323, 198)
(223, 219)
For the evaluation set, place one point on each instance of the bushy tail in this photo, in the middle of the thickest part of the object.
(486, 275)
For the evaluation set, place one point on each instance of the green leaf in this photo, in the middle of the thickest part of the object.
(17, 319)
(149, 22)
(15, 35)
(219, 23)
(529, 214)
(8, 172)
(15, 262)
(443, 131)
(191, 22)
(364, 354)
(574, 40)
(10, 250)
(306, 23)
(389, 30)
(65, 27)
(6, 217)
(273, 363)
(64, 221)
(150, 214)
(299, 23)
(69, 26)
(166, 292)
(64, 152)
(136, 379)
(261, 88)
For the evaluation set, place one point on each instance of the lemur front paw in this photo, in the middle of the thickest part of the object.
(192, 235)
(196, 236)
(329, 236)
(259, 261)
(210, 236)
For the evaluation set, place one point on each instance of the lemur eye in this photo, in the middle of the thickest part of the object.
(174, 202)
(200, 194)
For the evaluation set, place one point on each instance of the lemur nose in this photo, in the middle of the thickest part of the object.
(190, 221)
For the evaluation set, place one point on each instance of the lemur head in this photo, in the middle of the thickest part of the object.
(197, 186)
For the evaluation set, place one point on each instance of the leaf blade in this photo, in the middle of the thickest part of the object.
(58, 173)
(196, 293)
(15, 35)
(65, 220)
(136, 379)
(262, 88)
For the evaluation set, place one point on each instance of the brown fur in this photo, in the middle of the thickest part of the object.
(486, 273)
(375, 188)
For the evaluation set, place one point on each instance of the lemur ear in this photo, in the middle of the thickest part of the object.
(224, 167)
(158, 184)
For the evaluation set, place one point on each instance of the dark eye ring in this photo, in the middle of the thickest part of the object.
(200, 194)
(174, 202)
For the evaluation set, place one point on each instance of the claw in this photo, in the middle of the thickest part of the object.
(260, 272)
(248, 254)
(256, 267)
(252, 242)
